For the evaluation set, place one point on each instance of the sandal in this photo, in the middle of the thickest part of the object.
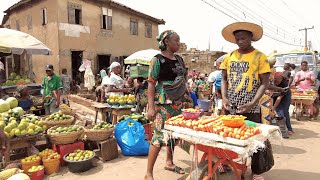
(175, 169)
(290, 133)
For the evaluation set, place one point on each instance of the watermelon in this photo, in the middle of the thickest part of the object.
(13, 102)
(4, 106)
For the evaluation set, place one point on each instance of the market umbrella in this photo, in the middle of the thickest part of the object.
(141, 57)
(15, 42)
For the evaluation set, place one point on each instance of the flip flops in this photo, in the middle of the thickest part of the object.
(175, 169)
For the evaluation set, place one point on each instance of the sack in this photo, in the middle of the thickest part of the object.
(177, 89)
(131, 139)
(262, 161)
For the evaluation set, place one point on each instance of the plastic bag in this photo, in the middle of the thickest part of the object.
(131, 139)
(262, 161)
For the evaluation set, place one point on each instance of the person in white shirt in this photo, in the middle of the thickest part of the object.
(115, 82)
(293, 73)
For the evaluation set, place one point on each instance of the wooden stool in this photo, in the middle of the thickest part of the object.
(103, 109)
(108, 149)
(119, 112)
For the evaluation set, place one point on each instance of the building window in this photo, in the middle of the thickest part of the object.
(148, 30)
(44, 16)
(106, 19)
(18, 25)
(133, 26)
(74, 12)
(29, 22)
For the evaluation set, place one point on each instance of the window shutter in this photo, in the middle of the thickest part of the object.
(136, 27)
(109, 22)
(71, 14)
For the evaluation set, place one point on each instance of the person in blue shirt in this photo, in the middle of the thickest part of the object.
(193, 96)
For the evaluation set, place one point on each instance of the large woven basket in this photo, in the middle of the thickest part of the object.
(64, 138)
(98, 135)
(51, 124)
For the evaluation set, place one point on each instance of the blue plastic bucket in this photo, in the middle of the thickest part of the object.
(204, 104)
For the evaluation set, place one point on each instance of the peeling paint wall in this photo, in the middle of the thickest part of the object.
(116, 42)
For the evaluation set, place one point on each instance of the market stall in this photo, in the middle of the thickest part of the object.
(17, 49)
(140, 61)
(225, 137)
(64, 144)
(302, 101)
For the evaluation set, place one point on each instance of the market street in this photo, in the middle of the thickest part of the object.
(295, 159)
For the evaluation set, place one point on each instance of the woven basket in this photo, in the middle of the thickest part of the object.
(98, 135)
(65, 138)
(51, 124)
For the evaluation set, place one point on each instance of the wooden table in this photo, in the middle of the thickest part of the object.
(119, 112)
(19, 143)
(103, 109)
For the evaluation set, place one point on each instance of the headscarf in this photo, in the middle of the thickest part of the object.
(220, 59)
(162, 37)
(113, 65)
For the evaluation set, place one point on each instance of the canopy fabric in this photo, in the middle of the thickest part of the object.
(15, 42)
(141, 57)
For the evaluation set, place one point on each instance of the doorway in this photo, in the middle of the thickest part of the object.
(103, 62)
(76, 61)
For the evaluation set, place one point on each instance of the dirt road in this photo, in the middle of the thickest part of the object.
(296, 158)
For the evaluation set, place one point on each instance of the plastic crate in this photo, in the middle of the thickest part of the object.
(148, 131)
(64, 149)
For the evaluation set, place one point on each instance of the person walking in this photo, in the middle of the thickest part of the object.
(165, 69)
(245, 73)
(52, 86)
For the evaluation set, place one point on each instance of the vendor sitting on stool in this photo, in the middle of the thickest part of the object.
(25, 100)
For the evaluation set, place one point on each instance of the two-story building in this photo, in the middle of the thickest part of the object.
(98, 30)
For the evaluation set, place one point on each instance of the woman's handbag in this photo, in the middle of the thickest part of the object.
(262, 161)
(177, 89)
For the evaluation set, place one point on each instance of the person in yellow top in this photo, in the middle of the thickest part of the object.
(245, 73)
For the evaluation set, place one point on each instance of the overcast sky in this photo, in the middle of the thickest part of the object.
(199, 22)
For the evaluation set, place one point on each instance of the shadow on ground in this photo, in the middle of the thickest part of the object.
(281, 149)
(279, 174)
(300, 133)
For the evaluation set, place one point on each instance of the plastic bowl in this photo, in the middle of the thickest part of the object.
(79, 166)
(38, 175)
(190, 115)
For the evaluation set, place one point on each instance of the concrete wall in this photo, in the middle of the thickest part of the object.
(62, 37)
(202, 61)
(48, 34)
(90, 38)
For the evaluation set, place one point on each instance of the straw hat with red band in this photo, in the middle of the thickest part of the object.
(228, 31)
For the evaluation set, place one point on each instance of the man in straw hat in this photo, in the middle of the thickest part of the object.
(245, 73)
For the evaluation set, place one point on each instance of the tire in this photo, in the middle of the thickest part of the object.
(201, 171)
